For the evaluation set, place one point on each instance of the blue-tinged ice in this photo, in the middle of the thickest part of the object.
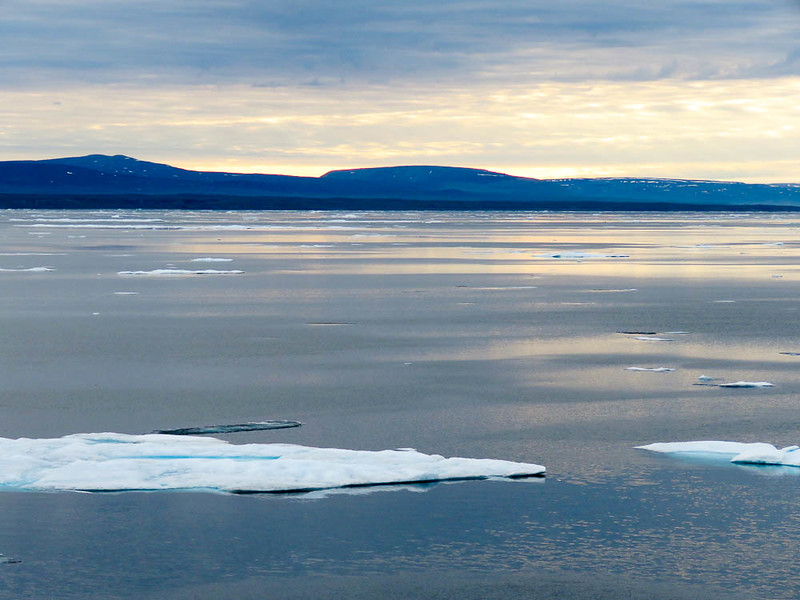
(739, 452)
(122, 462)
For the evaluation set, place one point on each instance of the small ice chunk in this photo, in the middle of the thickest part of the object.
(747, 384)
(751, 453)
(646, 338)
(31, 270)
(705, 378)
(652, 369)
(211, 259)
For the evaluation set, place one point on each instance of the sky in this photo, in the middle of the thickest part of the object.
(701, 89)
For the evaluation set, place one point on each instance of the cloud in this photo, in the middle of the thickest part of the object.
(292, 42)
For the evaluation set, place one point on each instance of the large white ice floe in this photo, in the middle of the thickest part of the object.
(122, 462)
(752, 453)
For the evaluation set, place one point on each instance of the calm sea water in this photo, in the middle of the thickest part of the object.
(490, 335)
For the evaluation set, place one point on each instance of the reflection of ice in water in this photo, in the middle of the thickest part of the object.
(114, 461)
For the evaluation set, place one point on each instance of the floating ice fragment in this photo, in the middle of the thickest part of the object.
(237, 427)
(652, 369)
(31, 270)
(790, 353)
(747, 384)
(645, 338)
(177, 272)
(126, 293)
(638, 332)
(753, 453)
(122, 462)
(582, 255)
(211, 259)
(705, 378)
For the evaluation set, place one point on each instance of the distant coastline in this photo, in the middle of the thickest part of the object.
(108, 182)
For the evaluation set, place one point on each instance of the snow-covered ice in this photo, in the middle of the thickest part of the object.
(211, 259)
(123, 462)
(31, 270)
(753, 453)
(747, 384)
(652, 369)
(647, 338)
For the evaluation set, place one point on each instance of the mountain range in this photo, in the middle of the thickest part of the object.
(101, 181)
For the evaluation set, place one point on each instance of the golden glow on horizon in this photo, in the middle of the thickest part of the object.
(739, 130)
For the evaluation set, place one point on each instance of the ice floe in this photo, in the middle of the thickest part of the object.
(177, 272)
(582, 255)
(31, 270)
(753, 453)
(211, 259)
(747, 384)
(236, 427)
(652, 369)
(647, 338)
(124, 462)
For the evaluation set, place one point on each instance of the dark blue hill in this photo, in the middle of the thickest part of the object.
(107, 181)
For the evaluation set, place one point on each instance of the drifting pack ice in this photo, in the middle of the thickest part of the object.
(747, 453)
(123, 462)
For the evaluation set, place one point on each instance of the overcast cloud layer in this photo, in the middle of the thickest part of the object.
(307, 85)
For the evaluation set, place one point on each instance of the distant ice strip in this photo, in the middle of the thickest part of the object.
(237, 427)
(747, 384)
(122, 462)
(31, 270)
(753, 453)
(177, 272)
(582, 255)
(652, 369)
(211, 259)
(646, 338)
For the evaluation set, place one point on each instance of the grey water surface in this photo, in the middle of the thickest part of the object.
(487, 335)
